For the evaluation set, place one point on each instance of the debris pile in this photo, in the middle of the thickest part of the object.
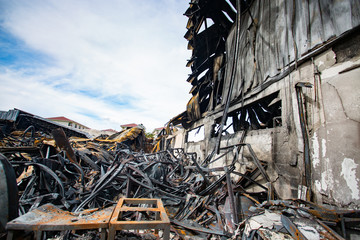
(79, 174)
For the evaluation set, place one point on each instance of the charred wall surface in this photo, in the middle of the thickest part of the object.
(282, 76)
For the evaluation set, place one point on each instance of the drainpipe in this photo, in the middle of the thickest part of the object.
(299, 95)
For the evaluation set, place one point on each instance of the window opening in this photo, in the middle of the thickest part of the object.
(209, 22)
(261, 114)
(227, 129)
(196, 134)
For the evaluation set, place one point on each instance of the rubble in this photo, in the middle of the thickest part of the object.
(77, 175)
(281, 75)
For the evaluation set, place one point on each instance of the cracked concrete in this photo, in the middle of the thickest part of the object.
(335, 144)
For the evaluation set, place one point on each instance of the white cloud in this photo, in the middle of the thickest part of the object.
(127, 50)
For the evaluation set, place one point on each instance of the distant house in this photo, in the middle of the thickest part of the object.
(127, 126)
(68, 122)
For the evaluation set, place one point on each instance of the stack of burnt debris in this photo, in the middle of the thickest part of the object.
(71, 177)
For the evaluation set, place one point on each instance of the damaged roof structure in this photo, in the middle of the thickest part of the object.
(21, 120)
(269, 147)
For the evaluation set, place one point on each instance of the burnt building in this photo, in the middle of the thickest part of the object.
(283, 77)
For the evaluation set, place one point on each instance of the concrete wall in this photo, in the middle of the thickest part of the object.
(336, 136)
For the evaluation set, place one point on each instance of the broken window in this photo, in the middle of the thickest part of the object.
(196, 134)
(261, 114)
(227, 129)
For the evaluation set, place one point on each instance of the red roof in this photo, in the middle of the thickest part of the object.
(109, 130)
(65, 119)
(62, 118)
(129, 125)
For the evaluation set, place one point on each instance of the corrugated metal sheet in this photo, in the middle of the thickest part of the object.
(281, 31)
(10, 115)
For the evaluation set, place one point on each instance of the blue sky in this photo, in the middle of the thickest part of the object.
(100, 63)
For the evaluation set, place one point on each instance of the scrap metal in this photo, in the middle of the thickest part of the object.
(201, 202)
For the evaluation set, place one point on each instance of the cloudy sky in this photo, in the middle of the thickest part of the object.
(100, 63)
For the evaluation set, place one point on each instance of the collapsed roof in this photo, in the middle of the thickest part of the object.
(21, 120)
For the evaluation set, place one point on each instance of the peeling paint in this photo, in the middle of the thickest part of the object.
(325, 184)
(349, 173)
(318, 186)
(325, 60)
(316, 151)
(323, 147)
(327, 177)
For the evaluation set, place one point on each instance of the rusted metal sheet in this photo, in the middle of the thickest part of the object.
(50, 218)
(292, 228)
